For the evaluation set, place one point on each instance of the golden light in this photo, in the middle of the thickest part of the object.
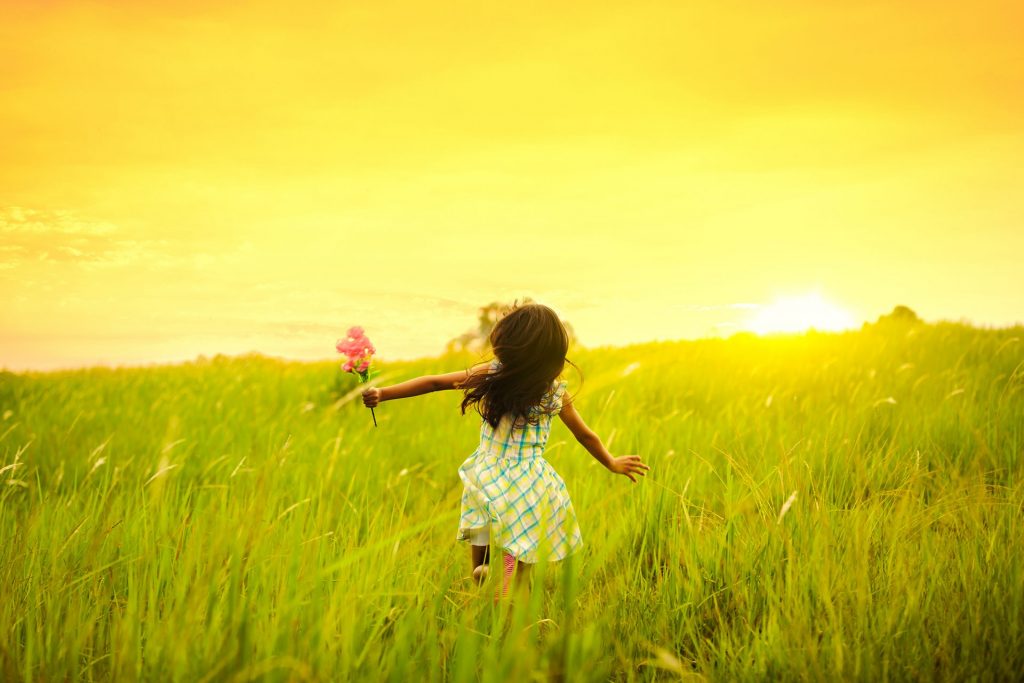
(799, 314)
(236, 151)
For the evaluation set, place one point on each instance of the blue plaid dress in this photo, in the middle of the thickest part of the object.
(514, 492)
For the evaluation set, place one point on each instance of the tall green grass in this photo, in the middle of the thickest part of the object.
(820, 507)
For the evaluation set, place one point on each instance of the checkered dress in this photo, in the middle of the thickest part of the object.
(513, 490)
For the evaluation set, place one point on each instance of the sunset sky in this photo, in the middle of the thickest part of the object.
(184, 178)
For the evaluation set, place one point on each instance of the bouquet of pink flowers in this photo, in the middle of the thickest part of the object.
(358, 349)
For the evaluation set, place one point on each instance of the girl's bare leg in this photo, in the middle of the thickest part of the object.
(480, 555)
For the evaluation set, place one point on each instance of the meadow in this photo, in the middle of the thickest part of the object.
(825, 507)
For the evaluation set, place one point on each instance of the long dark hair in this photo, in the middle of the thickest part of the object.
(530, 343)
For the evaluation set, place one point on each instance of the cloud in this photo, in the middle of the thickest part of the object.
(59, 237)
(17, 220)
(704, 308)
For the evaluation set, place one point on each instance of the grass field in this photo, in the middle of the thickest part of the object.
(241, 519)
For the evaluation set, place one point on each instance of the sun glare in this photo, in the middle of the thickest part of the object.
(799, 314)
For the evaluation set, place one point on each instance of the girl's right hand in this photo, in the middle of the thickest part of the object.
(371, 397)
(628, 465)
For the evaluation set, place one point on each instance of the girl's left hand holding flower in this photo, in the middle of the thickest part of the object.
(372, 397)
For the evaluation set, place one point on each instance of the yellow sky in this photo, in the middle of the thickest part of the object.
(203, 177)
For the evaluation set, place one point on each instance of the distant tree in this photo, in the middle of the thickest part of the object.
(467, 341)
(491, 314)
(478, 340)
(900, 314)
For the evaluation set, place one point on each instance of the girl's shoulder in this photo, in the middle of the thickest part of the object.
(559, 385)
(551, 402)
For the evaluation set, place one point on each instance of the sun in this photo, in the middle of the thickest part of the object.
(799, 314)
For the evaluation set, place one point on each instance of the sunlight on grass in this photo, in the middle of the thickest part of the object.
(820, 507)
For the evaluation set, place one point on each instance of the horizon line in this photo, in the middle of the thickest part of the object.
(205, 357)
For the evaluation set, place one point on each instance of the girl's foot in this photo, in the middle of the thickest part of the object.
(480, 573)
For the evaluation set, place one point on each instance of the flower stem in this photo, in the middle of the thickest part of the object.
(364, 376)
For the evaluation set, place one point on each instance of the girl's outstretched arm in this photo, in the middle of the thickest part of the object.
(628, 465)
(426, 384)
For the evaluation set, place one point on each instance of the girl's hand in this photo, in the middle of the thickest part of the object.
(371, 397)
(628, 465)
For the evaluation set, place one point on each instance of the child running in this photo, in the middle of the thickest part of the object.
(513, 497)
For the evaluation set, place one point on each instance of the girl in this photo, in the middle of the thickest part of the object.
(512, 495)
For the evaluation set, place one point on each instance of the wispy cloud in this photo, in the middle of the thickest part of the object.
(21, 221)
(741, 306)
(66, 238)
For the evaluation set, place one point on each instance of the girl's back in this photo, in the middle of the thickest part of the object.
(520, 438)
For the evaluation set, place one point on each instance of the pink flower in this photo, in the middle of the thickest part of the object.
(358, 349)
